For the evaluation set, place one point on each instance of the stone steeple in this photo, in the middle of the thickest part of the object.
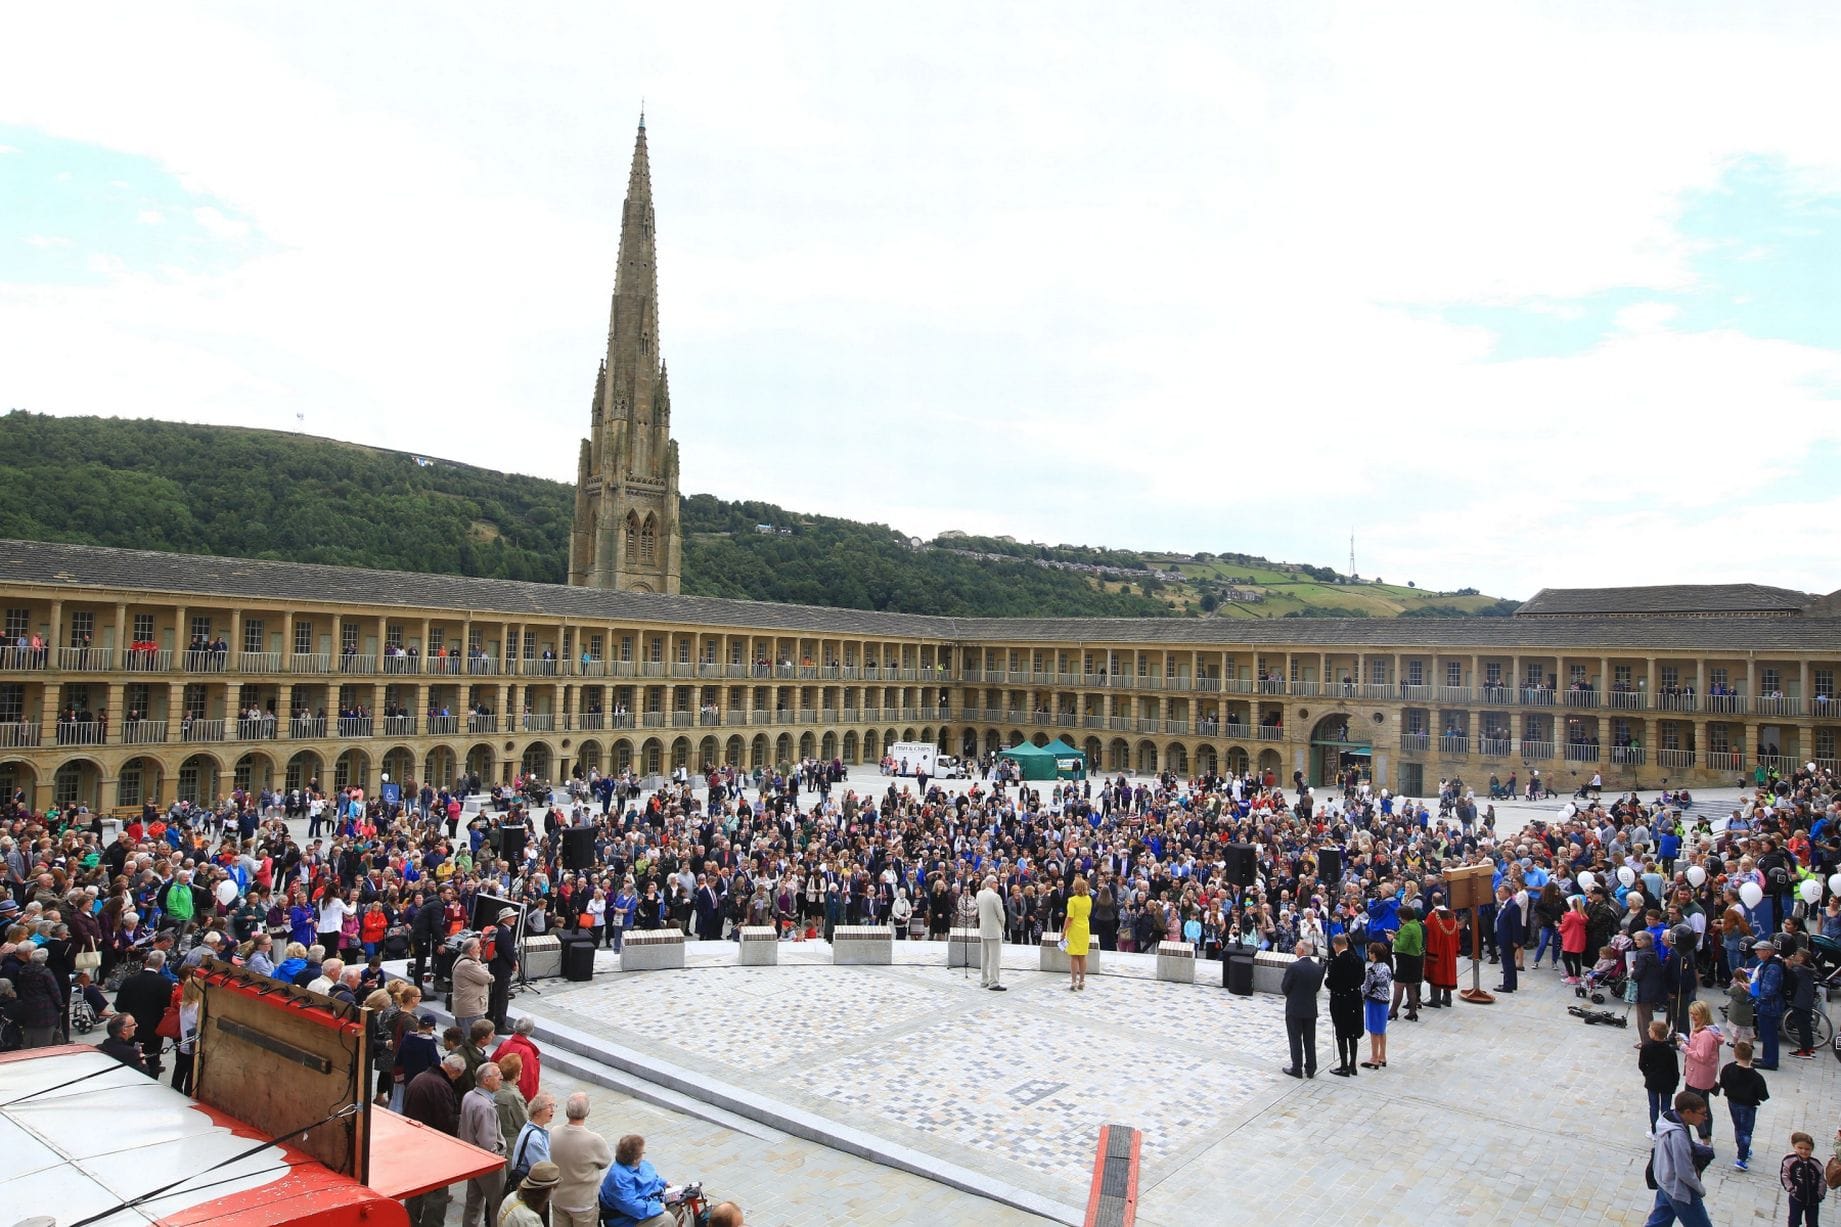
(626, 532)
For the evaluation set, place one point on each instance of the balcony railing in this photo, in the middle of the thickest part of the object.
(1777, 705)
(1269, 732)
(25, 658)
(592, 721)
(1495, 747)
(1536, 696)
(201, 730)
(310, 662)
(443, 726)
(539, 722)
(402, 665)
(354, 726)
(84, 660)
(442, 666)
(1628, 756)
(143, 732)
(1782, 764)
(1725, 760)
(1454, 743)
(311, 728)
(80, 732)
(399, 726)
(1415, 741)
(1418, 692)
(146, 660)
(255, 728)
(1626, 700)
(259, 662)
(1581, 752)
(1678, 702)
(1582, 698)
(18, 735)
(357, 662)
(482, 724)
(1674, 758)
(1729, 704)
(1537, 751)
(204, 661)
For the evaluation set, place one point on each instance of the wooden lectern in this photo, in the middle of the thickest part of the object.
(1470, 887)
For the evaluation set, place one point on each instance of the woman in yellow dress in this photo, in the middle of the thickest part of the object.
(1077, 933)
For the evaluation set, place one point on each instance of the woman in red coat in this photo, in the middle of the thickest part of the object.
(1572, 938)
(1441, 943)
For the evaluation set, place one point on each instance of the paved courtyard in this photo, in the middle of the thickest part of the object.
(1497, 1113)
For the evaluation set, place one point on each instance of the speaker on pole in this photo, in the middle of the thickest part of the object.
(1329, 866)
(578, 849)
(1241, 865)
(511, 842)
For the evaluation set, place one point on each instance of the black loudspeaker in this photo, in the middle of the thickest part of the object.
(578, 849)
(1241, 866)
(511, 842)
(1329, 866)
(578, 960)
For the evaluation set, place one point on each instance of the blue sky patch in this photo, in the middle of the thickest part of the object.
(73, 213)
(1767, 264)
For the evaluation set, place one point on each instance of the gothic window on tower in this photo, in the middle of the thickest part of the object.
(632, 534)
(648, 541)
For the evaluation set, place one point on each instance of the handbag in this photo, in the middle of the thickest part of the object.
(1831, 1173)
(1630, 991)
(88, 960)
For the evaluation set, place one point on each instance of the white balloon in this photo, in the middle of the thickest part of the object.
(1834, 884)
(1811, 890)
(226, 892)
(1587, 881)
(1696, 876)
(1751, 894)
(1626, 875)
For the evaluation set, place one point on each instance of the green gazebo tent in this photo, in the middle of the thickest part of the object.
(1032, 761)
(1071, 763)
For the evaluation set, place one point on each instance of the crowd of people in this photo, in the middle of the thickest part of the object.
(1660, 898)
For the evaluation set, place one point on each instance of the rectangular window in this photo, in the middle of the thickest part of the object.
(1671, 735)
(136, 697)
(626, 648)
(12, 703)
(201, 627)
(1716, 677)
(192, 701)
(1415, 673)
(1297, 669)
(76, 696)
(1377, 672)
(1454, 673)
(437, 639)
(253, 634)
(82, 627)
(303, 637)
(128, 785)
(1824, 743)
(1536, 676)
(1492, 673)
(530, 644)
(1671, 676)
(683, 650)
(596, 645)
(143, 628)
(655, 650)
(1620, 674)
(475, 640)
(65, 786)
(393, 635)
(1769, 680)
(1415, 722)
(1824, 682)
(348, 636)
(1719, 741)
(18, 622)
(1576, 674)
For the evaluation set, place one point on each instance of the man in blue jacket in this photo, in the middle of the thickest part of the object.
(1767, 995)
(1508, 935)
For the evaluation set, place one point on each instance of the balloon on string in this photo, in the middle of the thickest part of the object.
(226, 892)
(1698, 877)
(1626, 875)
(1587, 881)
(1834, 884)
(1811, 890)
(1751, 894)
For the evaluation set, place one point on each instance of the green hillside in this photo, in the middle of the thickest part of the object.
(267, 494)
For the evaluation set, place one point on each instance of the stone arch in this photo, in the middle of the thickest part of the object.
(440, 767)
(827, 746)
(1118, 755)
(993, 741)
(620, 756)
(652, 757)
(783, 750)
(587, 757)
(733, 750)
(77, 781)
(399, 763)
(808, 746)
(926, 735)
(632, 536)
(18, 775)
(304, 770)
(908, 734)
(888, 740)
(199, 778)
(253, 772)
(1207, 761)
(1272, 761)
(482, 760)
(872, 747)
(538, 761)
(648, 539)
(1147, 757)
(1093, 750)
(141, 778)
(709, 755)
(1238, 760)
(850, 747)
(680, 753)
(352, 770)
(1176, 758)
(1016, 738)
(757, 753)
(1039, 740)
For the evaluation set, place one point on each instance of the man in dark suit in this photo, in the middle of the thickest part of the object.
(145, 995)
(709, 910)
(1302, 981)
(1509, 935)
(504, 966)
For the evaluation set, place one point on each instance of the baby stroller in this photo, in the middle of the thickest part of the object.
(1614, 981)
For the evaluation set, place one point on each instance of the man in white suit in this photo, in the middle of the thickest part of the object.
(990, 936)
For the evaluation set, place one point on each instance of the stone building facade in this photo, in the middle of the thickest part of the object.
(626, 534)
(453, 674)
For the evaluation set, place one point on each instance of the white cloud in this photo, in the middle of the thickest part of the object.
(150, 217)
(6, 149)
(1146, 281)
(45, 242)
(1645, 316)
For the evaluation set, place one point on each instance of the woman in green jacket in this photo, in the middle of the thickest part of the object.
(1409, 963)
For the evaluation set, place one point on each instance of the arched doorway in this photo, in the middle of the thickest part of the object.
(480, 762)
(808, 746)
(680, 754)
(77, 782)
(352, 770)
(872, 748)
(535, 762)
(587, 758)
(17, 777)
(254, 772)
(140, 780)
(1270, 764)
(732, 752)
(708, 757)
(757, 753)
(1335, 750)
(440, 767)
(850, 748)
(652, 757)
(1147, 758)
(1206, 761)
(622, 756)
(1237, 760)
(304, 772)
(198, 779)
(783, 750)
(400, 765)
(827, 748)
(1118, 755)
(1176, 758)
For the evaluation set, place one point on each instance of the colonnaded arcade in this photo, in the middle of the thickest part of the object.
(436, 675)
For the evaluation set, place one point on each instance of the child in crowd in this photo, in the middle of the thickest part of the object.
(1801, 1177)
(1739, 1017)
(1744, 1089)
(1661, 1070)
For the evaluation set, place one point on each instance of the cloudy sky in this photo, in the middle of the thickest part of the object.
(1534, 295)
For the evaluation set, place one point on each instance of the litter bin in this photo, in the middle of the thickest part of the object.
(1237, 971)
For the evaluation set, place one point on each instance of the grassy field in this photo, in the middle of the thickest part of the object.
(1288, 590)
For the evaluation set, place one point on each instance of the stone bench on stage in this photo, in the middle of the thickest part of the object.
(1176, 962)
(759, 946)
(1051, 957)
(862, 946)
(652, 950)
(1269, 969)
